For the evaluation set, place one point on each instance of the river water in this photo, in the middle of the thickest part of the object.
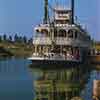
(16, 80)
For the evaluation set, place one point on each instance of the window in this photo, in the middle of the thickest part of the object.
(76, 34)
(62, 33)
(70, 33)
(45, 32)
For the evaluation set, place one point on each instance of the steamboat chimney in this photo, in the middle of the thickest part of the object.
(72, 8)
(46, 16)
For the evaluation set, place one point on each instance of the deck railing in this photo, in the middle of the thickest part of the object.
(42, 40)
(58, 41)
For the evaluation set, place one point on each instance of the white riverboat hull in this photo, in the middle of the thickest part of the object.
(52, 62)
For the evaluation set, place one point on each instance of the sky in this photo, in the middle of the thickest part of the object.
(21, 16)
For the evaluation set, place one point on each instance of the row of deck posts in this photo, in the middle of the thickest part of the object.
(36, 49)
(61, 49)
(41, 49)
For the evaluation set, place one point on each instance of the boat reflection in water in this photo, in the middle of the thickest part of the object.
(60, 83)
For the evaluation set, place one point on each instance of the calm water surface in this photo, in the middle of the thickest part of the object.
(16, 80)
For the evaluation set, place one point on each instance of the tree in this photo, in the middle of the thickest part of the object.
(30, 41)
(10, 38)
(20, 39)
(4, 37)
(0, 38)
(24, 39)
(16, 38)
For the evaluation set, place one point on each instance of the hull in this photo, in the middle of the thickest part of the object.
(53, 63)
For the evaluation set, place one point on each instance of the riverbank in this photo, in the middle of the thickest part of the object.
(15, 49)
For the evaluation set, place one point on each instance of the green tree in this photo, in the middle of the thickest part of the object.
(0, 38)
(30, 41)
(16, 38)
(10, 38)
(20, 39)
(24, 39)
(4, 37)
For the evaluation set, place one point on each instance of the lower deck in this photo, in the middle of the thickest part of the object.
(57, 55)
(65, 50)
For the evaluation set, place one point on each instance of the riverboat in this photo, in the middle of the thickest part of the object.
(59, 39)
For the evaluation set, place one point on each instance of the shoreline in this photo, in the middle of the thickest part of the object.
(15, 49)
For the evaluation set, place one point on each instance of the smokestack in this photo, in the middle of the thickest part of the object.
(72, 8)
(45, 20)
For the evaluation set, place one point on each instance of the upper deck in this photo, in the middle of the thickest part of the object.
(61, 31)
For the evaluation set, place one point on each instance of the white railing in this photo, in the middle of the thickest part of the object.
(59, 41)
(71, 41)
(42, 40)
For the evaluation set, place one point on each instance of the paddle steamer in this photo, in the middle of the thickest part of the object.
(59, 39)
